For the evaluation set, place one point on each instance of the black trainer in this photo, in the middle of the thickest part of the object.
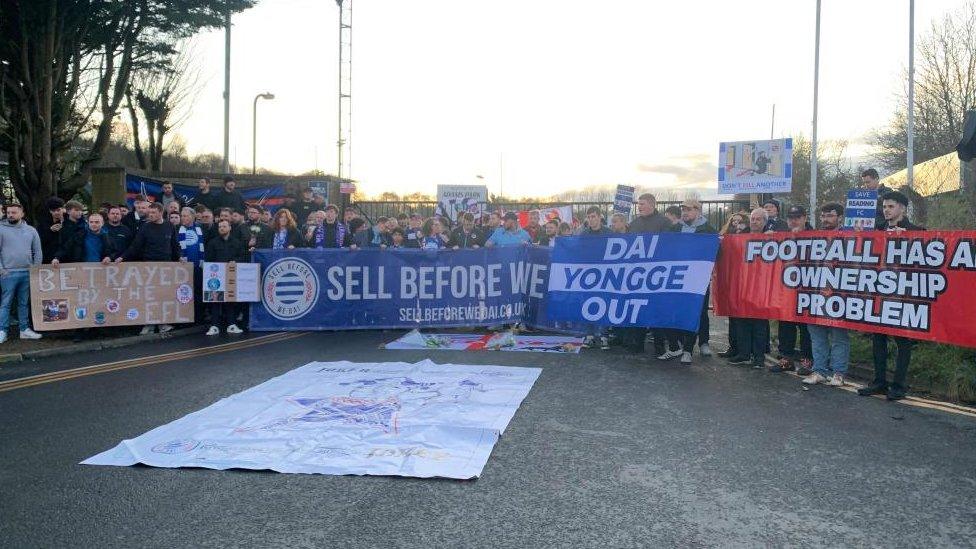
(873, 389)
(896, 393)
(740, 360)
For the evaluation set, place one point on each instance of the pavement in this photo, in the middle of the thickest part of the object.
(608, 450)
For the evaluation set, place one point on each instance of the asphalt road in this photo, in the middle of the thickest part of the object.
(606, 451)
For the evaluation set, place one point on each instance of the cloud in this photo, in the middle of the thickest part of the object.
(690, 170)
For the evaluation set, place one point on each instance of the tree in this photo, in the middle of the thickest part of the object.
(65, 67)
(945, 88)
(835, 174)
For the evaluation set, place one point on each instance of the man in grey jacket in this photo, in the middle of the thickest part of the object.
(20, 248)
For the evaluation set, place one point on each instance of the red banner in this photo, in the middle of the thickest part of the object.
(919, 284)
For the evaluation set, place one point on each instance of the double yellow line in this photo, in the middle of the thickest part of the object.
(144, 361)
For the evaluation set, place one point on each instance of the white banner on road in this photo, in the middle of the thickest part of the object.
(345, 418)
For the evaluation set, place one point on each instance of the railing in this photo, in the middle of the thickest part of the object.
(716, 211)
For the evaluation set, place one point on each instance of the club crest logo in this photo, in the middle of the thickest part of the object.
(290, 288)
(81, 313)
(184, 293)
(112, 306)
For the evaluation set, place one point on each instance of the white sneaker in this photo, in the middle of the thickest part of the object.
(27, 333)
(3, 336)
(163, 328)
(813, 379)
(233, 329)
(213, 331)
(837, 380)
(147, 329)
(605, 343)
(686, 358)
(668, 355)
(588, 342)
(704, 350)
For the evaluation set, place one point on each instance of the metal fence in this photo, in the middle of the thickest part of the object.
(716, 211)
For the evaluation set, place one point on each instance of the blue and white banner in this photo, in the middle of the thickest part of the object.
(345, 418)
(365, 289)
(656, 280)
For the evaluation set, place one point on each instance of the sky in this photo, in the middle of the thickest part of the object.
(546, 96)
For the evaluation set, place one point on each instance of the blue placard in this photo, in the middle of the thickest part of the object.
(656, 280)
(861, 208)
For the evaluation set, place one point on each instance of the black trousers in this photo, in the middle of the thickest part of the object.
(734, 336)
(688, 339)
(902, 359)
(753, 339)
(788, 334)
(222, 314)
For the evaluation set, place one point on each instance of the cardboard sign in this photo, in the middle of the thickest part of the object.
(89, 295)
(755, 166)
(861, 208)
(231, 282)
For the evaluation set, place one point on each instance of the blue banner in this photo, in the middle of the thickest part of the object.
(306, 289)
(655, 280)
(271, 197)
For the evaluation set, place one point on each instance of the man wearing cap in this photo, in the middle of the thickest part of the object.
(895, 206)
(789, 332)
(509, 234)
(774, 223)
(693, 222)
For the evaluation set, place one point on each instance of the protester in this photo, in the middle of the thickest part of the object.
(693, 222)
(648, 220)
(753, 333)
(174, 218)
(328, 232)
(306, 205)
(594, 223)
(230, 197)
(261, 235)
(348, 214)
(510, 234)
(266, 216)
(286, 234)
(565, 229)
(433, 235)
(205, 197)
(895, 205)
(466, 235)
(549, 232)
(92, 245)
(533, 227)
(789, 332)
(73, 224)
(155, 241)
(402, 221)
(190, 237)
(50, 226)
(361, 237)
(20, 249)
(137, 217)
(738, 223)
(831, 347)
(618, 223)
(414, 232)
(397, 239)
(168, 197)
(224, 249)
(120, 235)
(205, 218)
(871, 181)
(494, 222)
(673, 214)
(773, 221)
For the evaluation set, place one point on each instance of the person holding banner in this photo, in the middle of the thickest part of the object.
(550, 231)
(789, 332)
(155, 241)
(434, 237)
(831, 347)
(135, 219)
(414, 232)
(774, 223)
(753, 336)
(119, 234)
(89, 246)
(467, 235)
(595, 227)
(693, 222)
(872, 182)
(20, 249)
(509, 235)
(738, 223)
(895, 206)
(260, 234)
(328, 232)
(648, 220)
(223, 249)
(73, 225)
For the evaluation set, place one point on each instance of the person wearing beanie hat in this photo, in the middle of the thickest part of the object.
(774, 223)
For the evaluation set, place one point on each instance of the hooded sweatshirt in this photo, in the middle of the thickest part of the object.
(699, 225)
(20, 246)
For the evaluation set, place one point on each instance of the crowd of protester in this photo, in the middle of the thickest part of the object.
(219, 226)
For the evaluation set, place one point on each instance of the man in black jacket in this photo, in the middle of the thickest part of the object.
(89, 245)
(230, 197)
(261, 236)
(648, 220)
(223, 249)
(895, 205)
(774, 222)
(205, 196)
(120, 235)
(466, 235)
(137, 217)
(49, 227)
(155, 241)
(73, 224)
(872, 182)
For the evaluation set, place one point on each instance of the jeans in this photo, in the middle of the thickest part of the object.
(902, 359)
(15, 283)
(788, 333)
(831, 349)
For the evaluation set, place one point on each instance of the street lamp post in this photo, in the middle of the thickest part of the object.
(254, 131)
